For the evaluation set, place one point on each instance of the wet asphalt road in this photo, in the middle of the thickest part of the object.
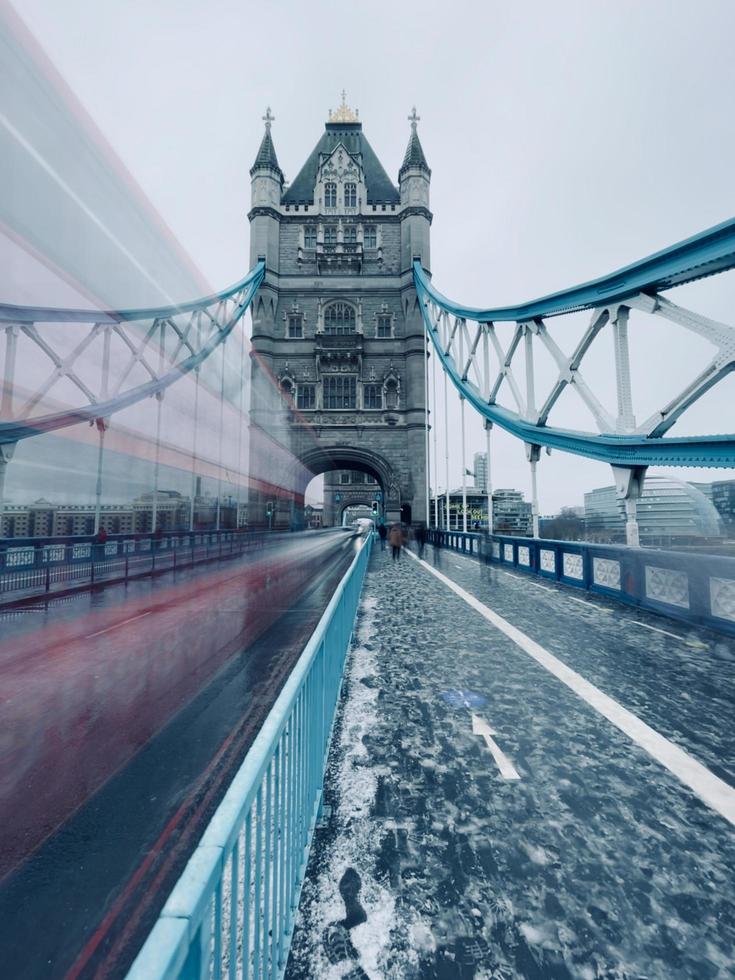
(597, 862)
(81, 904)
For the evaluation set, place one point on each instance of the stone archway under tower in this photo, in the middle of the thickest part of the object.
(362, 504)
(322, 459)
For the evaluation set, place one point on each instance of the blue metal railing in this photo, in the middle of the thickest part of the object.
(695, 588)
(232, 911)
(53, 565)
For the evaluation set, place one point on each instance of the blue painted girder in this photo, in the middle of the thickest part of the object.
(708, 253)
(14, 431)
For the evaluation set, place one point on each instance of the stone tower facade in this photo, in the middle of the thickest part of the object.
(338, 353)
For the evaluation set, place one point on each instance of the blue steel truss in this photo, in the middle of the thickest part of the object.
(191, 332)
(636, 286)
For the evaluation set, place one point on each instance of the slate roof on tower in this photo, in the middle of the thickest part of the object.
(414, 157)
(380, 189)
(267, 155)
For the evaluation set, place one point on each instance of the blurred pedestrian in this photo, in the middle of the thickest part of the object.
(382, 534)
(421, 539)
(395, 539)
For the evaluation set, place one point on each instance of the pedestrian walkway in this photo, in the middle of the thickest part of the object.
(492, 816)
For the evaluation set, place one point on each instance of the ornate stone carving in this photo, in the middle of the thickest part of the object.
(722, 598)
(572, 566)
(606, 572)
(667, 585)
(547, 560)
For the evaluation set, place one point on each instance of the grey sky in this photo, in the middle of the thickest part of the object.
(565, 139)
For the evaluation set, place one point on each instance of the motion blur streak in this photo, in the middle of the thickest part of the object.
(80, 699)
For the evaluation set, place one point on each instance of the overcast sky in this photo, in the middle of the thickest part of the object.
(565, 140)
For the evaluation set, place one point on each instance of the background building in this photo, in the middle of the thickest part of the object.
(723, 498)
(480, 467)
(670, 511)
(511, 513)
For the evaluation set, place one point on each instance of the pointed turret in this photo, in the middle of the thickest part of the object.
(414, 158)
(414, 181)
(266, 158)
(266, 189)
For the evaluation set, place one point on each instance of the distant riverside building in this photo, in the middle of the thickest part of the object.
(480, 467)
(670, 511)
(43, 519)
(723, 498)
(511, 513)
(313, 516)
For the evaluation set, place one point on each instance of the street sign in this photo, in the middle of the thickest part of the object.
(338, 497)
(378, 495)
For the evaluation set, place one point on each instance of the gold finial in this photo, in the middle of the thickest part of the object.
(344, 114)
(268, 118)
(413, 119)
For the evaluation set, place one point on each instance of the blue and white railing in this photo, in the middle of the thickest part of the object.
(695, 588)
(232, 912)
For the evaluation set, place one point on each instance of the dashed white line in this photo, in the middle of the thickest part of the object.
(109, 629)
(713, 791)
(675, 636)
(585, 602)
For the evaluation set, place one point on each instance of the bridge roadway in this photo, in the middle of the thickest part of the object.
(124, 713)
(597, 862)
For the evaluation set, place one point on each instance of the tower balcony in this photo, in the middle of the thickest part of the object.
(342, 257)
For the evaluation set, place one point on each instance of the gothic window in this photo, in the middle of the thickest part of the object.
(306, 398)
(344, 478)
(350, 195)
(295, 325)
(340, 391)
(372, 397)
(371, 236)
(339, 318)
(330, 195)
(287, 391)
(310, 236)
(385, 326)
(330, 235)
(391, 395)
(350, 235)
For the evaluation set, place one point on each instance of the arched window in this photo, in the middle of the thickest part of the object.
(391, 394)
(330, 195)
(339, 318)
(350, 195)
(287, 391)
(350, 235)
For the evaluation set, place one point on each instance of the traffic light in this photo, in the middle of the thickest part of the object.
(375, 508)
(269, 510)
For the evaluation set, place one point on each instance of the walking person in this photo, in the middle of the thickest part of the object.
(421, 539)
(382, 534)
(395, 539)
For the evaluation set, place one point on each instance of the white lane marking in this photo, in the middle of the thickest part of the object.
(713, 791)
(109, 629)
(506, 767)
(585, 602)
(690, 643)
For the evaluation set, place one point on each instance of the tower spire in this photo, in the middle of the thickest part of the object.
(266, 158)
(414, 158)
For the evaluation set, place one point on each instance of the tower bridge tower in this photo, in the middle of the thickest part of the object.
(338, 366)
